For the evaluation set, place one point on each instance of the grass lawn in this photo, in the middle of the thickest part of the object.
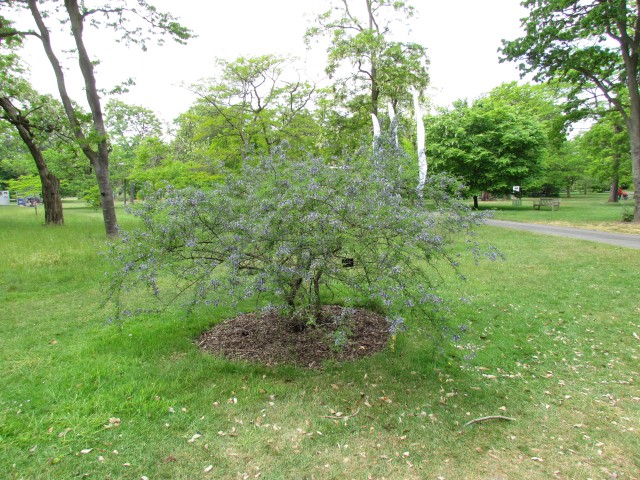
(552, 340)
(590, 211)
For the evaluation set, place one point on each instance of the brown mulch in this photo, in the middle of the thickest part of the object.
(271, 339)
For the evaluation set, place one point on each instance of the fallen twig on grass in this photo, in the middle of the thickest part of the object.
(490, 417)
(342, 417)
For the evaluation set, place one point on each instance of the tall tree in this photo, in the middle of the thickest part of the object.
(27, 112)
(490, 145)
(604, 152)
(547, 104)
(128, 126)
(359, 32)
(155, 164)
(124, 20)
(50, 183)
(589, 44)
(252, 105)
(563, 168)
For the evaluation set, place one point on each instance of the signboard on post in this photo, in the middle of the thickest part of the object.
(516, 198)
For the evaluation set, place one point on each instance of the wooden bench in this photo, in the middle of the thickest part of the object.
(554, 203)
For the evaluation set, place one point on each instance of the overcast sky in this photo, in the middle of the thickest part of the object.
(461, 36)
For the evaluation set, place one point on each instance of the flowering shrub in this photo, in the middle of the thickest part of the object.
(287, 230)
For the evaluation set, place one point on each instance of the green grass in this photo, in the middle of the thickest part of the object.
(584, 211)
(552, 327)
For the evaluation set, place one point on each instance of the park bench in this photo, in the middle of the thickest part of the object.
(554, 203)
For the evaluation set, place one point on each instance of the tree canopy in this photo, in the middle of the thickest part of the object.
(593, 46)
(252, 104)
(489, 144)
(34, 117)
(133, 23)
(369, 66)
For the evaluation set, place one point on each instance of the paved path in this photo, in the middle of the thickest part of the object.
(619, 239)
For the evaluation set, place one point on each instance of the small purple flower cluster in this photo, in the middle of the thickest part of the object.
(283, 227)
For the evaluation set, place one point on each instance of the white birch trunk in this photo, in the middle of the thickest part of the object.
(422, 154)
(376, 131)
(394, 123)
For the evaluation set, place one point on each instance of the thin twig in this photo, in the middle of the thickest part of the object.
(345, 417)
(491, 417)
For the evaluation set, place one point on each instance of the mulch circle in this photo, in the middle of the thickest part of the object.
(269, 339)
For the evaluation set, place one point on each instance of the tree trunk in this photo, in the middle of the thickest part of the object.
(50, 183)
(317, 304)
(52, 199)
(101, 168)
(630, 57)
(293, 292)
(394, 123)
(299, 323)
(615, 167)
(99, 160)
(375, 89)
(633, 125)
(613, 193)
(634, 134)
(423, 167)
(475, 202)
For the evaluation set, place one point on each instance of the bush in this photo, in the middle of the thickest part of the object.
(288, 229)
(92, 197)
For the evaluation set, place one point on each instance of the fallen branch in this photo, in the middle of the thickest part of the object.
(490, 417)
(342, 417)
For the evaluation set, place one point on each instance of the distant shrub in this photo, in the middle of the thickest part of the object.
(92, 197)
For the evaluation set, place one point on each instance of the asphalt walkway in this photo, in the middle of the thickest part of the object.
(619, 239)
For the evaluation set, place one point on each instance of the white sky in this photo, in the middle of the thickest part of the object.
(461, 36)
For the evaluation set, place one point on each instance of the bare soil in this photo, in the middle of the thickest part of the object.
(271, 339)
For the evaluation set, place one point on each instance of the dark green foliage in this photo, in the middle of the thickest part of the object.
(490, 145)
(591, 46)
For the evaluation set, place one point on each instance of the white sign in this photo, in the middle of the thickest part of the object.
(516, 188)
